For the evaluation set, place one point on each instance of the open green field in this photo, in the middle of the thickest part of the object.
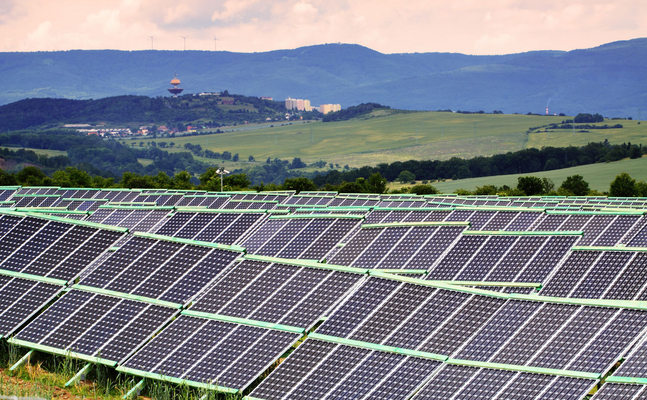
(398, 137)
(632, 132)
(49, 153)
(419, 135)
(599, 176)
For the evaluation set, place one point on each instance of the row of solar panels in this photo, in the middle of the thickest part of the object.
(92, 199)
(129, 269)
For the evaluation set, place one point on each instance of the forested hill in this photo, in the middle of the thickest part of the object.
(188, 109)
(608, 78)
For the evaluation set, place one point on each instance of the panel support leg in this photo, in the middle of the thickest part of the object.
(80, 376)
(22, 360)
(135, 391)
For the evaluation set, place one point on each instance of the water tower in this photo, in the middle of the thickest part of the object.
(175, 89)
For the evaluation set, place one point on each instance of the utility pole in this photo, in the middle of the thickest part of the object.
(474, 129)
(416, 135)
(442, 131)
(276, 138)
(312, 138)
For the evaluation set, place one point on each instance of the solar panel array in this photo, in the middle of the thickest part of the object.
(353, 296)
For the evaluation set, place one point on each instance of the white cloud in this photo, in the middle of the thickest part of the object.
(467, 26)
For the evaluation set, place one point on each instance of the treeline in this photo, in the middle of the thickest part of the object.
(29, 156)
(110, 158)
(580, 127)
(519, 162)
(106, 158)
(622, 186)
(353, 112)
(49, 112)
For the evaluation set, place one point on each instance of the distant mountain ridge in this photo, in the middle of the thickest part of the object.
(609, 79)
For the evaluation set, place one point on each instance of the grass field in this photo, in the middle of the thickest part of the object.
(416, 135)
(599, 176)
(631, 132)
(384, 139)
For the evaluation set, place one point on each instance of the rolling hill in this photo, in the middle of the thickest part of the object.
(608, 79)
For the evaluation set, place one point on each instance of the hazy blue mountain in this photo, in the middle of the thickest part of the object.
(609, 79)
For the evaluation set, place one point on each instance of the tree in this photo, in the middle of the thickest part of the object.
(30, 176)
(635, 152)
(486, 190)
(423, 189)
(236, 181)
(350, 187)
(530, 185)
(376, 184)
(406, 176)
(251, 159)
(132, 180)
(576, 185)
(547, 185)
(300, 184)
(7, 179)
(641, 188)
(72, 177)
(623, 186)
(235, 157)
(182, 180)
(297, 163)
(162, 180)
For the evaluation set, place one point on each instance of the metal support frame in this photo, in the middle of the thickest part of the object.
(20, 362)
(135, 390)
(80, 376)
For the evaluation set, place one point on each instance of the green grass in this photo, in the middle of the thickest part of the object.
(145, 161)
(45, 376)
(49, 153)
(404, 136)
(599, 176)
(419, 135)
(631, 132)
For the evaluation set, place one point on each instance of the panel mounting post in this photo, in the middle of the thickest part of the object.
(135, 391)
(22, 360)
(80, 376)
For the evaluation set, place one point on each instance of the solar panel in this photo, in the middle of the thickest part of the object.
(19, 234)
(611, 391)
(20, 299)
(171, 271)
(276, 293)
(206, 351)
(95, 325)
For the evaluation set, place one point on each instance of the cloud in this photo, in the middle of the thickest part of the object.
(466, 26)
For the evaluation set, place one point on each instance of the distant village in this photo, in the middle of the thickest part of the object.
(291, 104)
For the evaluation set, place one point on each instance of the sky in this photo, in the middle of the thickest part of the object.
(458, 26)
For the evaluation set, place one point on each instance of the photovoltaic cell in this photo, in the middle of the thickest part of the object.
(96, 325)
(613, 391)
(212, 351)
(20, 299)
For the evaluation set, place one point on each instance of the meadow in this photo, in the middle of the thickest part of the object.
(599, 176)
(404, 136)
